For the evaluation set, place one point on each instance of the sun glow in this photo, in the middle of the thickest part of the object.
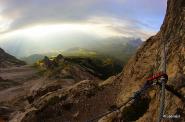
(49, 30)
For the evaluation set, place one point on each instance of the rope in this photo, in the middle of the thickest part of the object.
(109, 112)
(135, 96)
(162, 100)
(163, 82)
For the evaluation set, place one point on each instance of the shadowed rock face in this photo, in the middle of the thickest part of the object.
(47, 63)
(88, 99)
(7, 60)
(5, 111)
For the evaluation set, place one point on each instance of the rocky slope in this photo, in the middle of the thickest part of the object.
(22, 86)
(79, 66)
(7, 60)
(88, 99)
(147, 59)
(61, 68)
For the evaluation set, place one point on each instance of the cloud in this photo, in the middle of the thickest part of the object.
(125, 27)
(115, 17)
(99, 27)
(44, 11)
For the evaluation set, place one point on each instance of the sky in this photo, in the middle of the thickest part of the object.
(45, 20)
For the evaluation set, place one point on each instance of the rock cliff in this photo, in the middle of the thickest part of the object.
(147, 60)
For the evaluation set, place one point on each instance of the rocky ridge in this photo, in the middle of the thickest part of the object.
(7, 60)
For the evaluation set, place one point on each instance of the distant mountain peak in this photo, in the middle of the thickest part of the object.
(1, 50)
(135, 42)
(7, 60)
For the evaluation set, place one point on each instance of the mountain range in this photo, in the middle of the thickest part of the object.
(116, 48)
(24, 48)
